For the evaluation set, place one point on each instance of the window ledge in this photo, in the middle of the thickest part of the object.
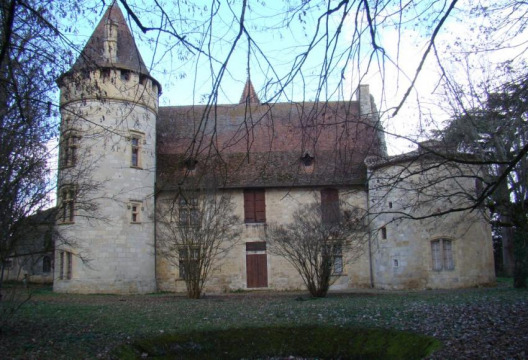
(135, 222)
(65, 222)
(136, 167)
(256, 224)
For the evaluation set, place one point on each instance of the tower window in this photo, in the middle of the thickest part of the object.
(125, 75)
(105, 73)
(66, 265)
(135, 212)
(67, 207)
(69, 151)
(383, 233)
(135, 149)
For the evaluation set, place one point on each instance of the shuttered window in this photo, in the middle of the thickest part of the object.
(254, 206)
(330, 206)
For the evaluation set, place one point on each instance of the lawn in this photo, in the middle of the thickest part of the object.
(470, 323)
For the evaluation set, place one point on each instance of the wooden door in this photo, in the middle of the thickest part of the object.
(257, 270)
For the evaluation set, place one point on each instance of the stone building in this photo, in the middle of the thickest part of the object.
(122, 156)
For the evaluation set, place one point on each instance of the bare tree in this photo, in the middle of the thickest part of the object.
(319, 241)
(196, 229)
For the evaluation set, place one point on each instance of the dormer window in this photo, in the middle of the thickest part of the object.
(307, 160)
(190, 164)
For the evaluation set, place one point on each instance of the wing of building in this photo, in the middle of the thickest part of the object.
(122, 157)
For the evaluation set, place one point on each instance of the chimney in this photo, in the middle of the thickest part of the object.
(365, 106)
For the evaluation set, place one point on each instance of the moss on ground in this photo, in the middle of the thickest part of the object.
(324, 342)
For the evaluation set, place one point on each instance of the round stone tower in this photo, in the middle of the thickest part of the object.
(109, 105)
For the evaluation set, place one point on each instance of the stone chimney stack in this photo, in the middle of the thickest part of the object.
(363, 96)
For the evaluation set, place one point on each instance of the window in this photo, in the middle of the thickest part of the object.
(337, 255)
(135, 152)
(307, 160)
(70, 143)
(330, 206)
(442, 253)
(61, 265)
(105, 73)
(125, 75)
(188, 211)
(334, 251)
(46, 264)
(190, 164)
(135, 212)
(8, 264)
(136, 138)
(383, 231)
(67, 207)
(254, 206)
(188, 261)
(68, 265)
(143, 80)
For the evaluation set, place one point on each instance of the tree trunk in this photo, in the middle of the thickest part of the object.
(508, 258)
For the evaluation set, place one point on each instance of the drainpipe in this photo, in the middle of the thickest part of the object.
(371, 271)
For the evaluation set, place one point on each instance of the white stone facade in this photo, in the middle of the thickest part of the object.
(108, 192)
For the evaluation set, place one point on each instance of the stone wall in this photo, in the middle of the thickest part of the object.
(230, 272)
(412, 206)
(111, 253)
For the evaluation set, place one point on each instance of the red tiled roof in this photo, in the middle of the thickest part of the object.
(262, 145)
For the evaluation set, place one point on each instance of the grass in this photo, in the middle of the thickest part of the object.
(93, 326)
(305, 341)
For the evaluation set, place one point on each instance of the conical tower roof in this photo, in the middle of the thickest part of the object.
(249, 95)
(127, 54)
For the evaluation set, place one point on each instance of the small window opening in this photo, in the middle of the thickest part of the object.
(125, 75)
(395, 262)
(143, 80)
(384, 233)
(105, 73)
(390, 204)
(135, 211)
(135, 152)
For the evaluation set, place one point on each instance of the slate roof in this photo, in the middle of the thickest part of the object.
(261, 145)
(128, 56)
